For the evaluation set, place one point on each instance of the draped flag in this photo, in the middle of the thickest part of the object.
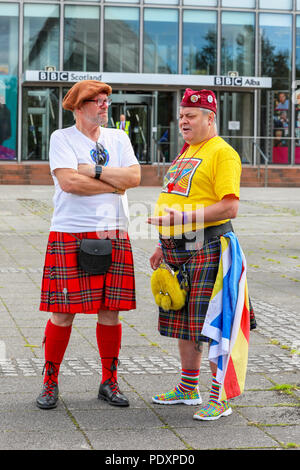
(227, 321)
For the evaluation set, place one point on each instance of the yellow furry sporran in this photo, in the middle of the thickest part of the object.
(169, 292)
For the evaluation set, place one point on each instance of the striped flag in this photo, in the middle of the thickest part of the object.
(227, 320)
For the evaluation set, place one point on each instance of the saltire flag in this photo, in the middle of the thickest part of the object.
(227, 321)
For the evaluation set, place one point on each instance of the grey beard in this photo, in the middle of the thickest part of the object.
(103, 120)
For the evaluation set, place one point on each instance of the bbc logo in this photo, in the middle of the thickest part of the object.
(229, 81)
(54, 76)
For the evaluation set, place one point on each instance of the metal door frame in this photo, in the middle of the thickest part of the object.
(140, 99)
(44, 111)
(254, 114)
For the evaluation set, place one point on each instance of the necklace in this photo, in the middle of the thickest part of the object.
(171, 183)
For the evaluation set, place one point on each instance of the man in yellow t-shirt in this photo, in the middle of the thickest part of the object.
(199, 197)
(202, 176)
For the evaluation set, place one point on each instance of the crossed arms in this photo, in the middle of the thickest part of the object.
(83, 183)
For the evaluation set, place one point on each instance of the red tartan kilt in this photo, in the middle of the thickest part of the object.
(66, 288)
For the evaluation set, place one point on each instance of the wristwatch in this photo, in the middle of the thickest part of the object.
(98, 171)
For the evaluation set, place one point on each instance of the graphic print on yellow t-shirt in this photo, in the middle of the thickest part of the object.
(199, 179)
(181, 175)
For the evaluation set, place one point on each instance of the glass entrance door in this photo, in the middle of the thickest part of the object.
(40, 119)
(132, 114)
(236, 124)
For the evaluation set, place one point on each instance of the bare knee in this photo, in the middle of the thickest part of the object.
(108, 317)
(62, 319)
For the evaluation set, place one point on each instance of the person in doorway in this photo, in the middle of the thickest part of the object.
(92, 167)
(204, 184)
(124, 125)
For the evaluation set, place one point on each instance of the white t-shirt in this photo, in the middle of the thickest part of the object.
(73, 213)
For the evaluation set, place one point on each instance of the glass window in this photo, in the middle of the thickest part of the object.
(276, 47)
(40, 119)
(199, 42)
(9, 17)
(162, 2)
(298, 5)
(8, 116)
(297, 91)
(81, 38)
(200, 3)
(41, 36)
(235, 109)
(276, 4)
(298, 46)
(238, 43)
(167, 130)
(275, 62)
(297, 133)
(121, 39)
(239, 4)
(279, 127)
(67, 116)
(122, 1)
(160, 40)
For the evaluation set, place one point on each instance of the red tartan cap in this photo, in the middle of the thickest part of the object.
(199, 99)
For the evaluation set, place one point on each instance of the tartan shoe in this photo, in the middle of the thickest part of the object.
(213, 410)
(176, 397)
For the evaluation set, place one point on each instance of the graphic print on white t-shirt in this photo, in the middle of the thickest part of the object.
(72, 213)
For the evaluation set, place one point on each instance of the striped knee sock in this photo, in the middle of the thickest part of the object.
(215, 389)
(189, 380)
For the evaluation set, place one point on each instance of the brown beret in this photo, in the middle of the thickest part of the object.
(84, 90)
(200, 99)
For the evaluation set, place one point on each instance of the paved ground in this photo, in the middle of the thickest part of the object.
(266, 416)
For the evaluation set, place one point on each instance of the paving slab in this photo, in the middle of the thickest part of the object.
(265, 417)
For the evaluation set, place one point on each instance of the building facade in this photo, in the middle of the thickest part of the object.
(149, 51)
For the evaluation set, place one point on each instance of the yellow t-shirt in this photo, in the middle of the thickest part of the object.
(200, 178)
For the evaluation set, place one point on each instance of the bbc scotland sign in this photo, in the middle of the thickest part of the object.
(67, 76)
(171, 80)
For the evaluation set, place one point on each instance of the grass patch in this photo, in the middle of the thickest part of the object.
(274, 341)
(288, 389)
(291, 445)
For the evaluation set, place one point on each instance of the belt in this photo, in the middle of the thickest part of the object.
(194, 240)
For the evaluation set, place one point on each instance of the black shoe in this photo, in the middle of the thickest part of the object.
(110, 392)
(48, 397)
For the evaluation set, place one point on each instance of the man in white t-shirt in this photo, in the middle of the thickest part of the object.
(92, 167)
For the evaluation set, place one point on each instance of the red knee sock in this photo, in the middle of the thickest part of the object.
(109, 344)
(56, 341)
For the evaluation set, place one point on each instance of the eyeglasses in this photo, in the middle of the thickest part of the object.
(99, 154)
(100, 102)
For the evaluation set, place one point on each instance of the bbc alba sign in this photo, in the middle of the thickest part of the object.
(154, 79)
(254, 82)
